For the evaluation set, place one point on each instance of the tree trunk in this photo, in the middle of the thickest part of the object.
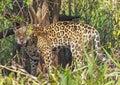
(45, 12)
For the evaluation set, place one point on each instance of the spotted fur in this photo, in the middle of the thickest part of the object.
(76, 35)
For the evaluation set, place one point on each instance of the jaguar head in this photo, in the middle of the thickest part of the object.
(21, 35)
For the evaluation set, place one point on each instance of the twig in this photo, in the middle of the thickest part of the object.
(21, 71)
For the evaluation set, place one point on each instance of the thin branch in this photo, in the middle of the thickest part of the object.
(7, 31)
(21, 71)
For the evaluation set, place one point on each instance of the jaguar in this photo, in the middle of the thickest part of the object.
(78, 36)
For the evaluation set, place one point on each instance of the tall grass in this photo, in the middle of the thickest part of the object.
(90, 73)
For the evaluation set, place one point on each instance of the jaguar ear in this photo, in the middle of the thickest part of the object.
(24, 28)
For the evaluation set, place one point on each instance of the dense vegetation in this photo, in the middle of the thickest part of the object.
(104, 15)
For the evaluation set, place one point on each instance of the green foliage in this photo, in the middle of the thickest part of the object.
(6, 50)
(90, 74)
(29, 31)
(28, 2)
(7, 44)
(103, 15)
(5, 6)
